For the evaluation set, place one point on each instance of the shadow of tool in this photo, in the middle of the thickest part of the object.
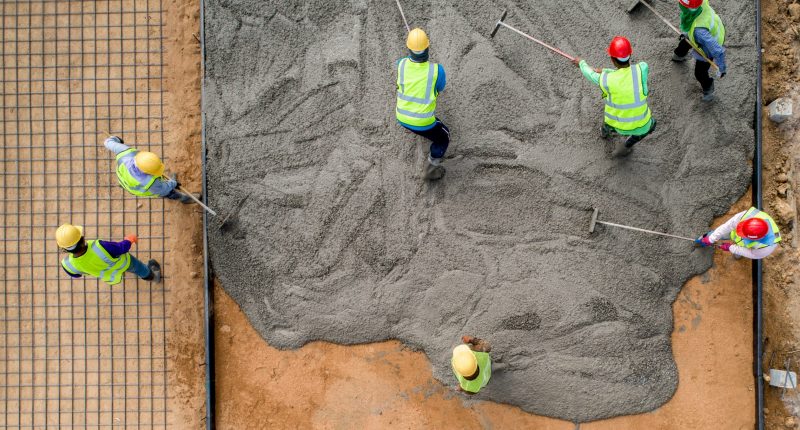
(232, 218)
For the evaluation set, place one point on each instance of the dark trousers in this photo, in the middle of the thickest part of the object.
(631, 140)
(701, 68)
(179, 196)
(439, 136)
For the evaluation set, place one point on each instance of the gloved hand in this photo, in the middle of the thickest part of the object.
(174, 181)
(725, 246)
(576, 61)
(131, 237)
(703, 241)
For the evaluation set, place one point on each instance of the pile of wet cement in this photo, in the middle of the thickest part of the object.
(341, 240)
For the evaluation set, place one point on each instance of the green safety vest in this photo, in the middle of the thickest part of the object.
(709, 20)
(129, 182)
(626, 102)
(99, 263)
(772, 237)
(484, 373)
(416, 92)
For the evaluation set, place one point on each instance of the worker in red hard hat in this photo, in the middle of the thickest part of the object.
(753, 234)
(703, 28)
(625, 92)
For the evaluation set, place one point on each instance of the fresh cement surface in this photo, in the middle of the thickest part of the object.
(339, 239)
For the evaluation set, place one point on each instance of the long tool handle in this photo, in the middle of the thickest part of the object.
(556, 50)
(675, 29)
(211, 211)
(644, 231)
(403, 15)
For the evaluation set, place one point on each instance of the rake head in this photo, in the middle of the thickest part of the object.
(633, 6)
(594, 220)
(497, 26)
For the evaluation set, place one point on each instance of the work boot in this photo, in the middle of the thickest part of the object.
(155, 272)
(678, 59)
(434, 169)
(605, 133)
(185, 199)
(621, 149)
(708, 95)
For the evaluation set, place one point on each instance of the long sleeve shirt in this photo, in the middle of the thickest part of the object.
(712, 49)
(592, 76)
(161, 186)
(441, 82)
(114, 249)
(724, 231)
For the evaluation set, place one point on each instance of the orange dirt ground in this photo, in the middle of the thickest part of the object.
(781, 32)
(381, 385)
(185, 343)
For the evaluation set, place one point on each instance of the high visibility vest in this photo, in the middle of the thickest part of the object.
(136, 185)
(99, 263)
(484, 373)
(772, 237)
(709, 20)
(626, 102)
(416, 92)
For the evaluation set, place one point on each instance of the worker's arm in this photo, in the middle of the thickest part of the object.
(116, 249)
(589, 73)
(752, 253)
(712, 49)
(645, 74)
(72, 275)
(477, 344)
(163, 187)
(724, 231)
(115, 146)
(441, 80)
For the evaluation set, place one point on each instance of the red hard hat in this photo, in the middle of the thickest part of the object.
(691, 4)
(620, 48)
(753, 228)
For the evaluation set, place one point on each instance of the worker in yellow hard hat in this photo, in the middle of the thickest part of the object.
(141, 172)
(101, 259)
(472, 364)
(419, 83)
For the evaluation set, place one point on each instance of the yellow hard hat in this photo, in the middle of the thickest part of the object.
(417, 40)
(149, 163)
(464, 361)
(68, 235)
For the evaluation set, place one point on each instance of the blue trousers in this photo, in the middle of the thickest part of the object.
(140, 269)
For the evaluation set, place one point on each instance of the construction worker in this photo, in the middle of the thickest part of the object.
(140, 172)
(419, 83)
(105, 260)
(625, 92)
(472, 364)
(703, 28)
(753, 234)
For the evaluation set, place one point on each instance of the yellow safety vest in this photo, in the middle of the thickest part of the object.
(128, 181)
(709, 20)
(772, 237)
(626, 102)
(416, 92)
(484, 373)
(99, 263)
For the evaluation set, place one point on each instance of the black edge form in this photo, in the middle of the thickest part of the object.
(208, 292)
(758, 201)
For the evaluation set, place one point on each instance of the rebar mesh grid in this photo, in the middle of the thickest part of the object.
(79, 353)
